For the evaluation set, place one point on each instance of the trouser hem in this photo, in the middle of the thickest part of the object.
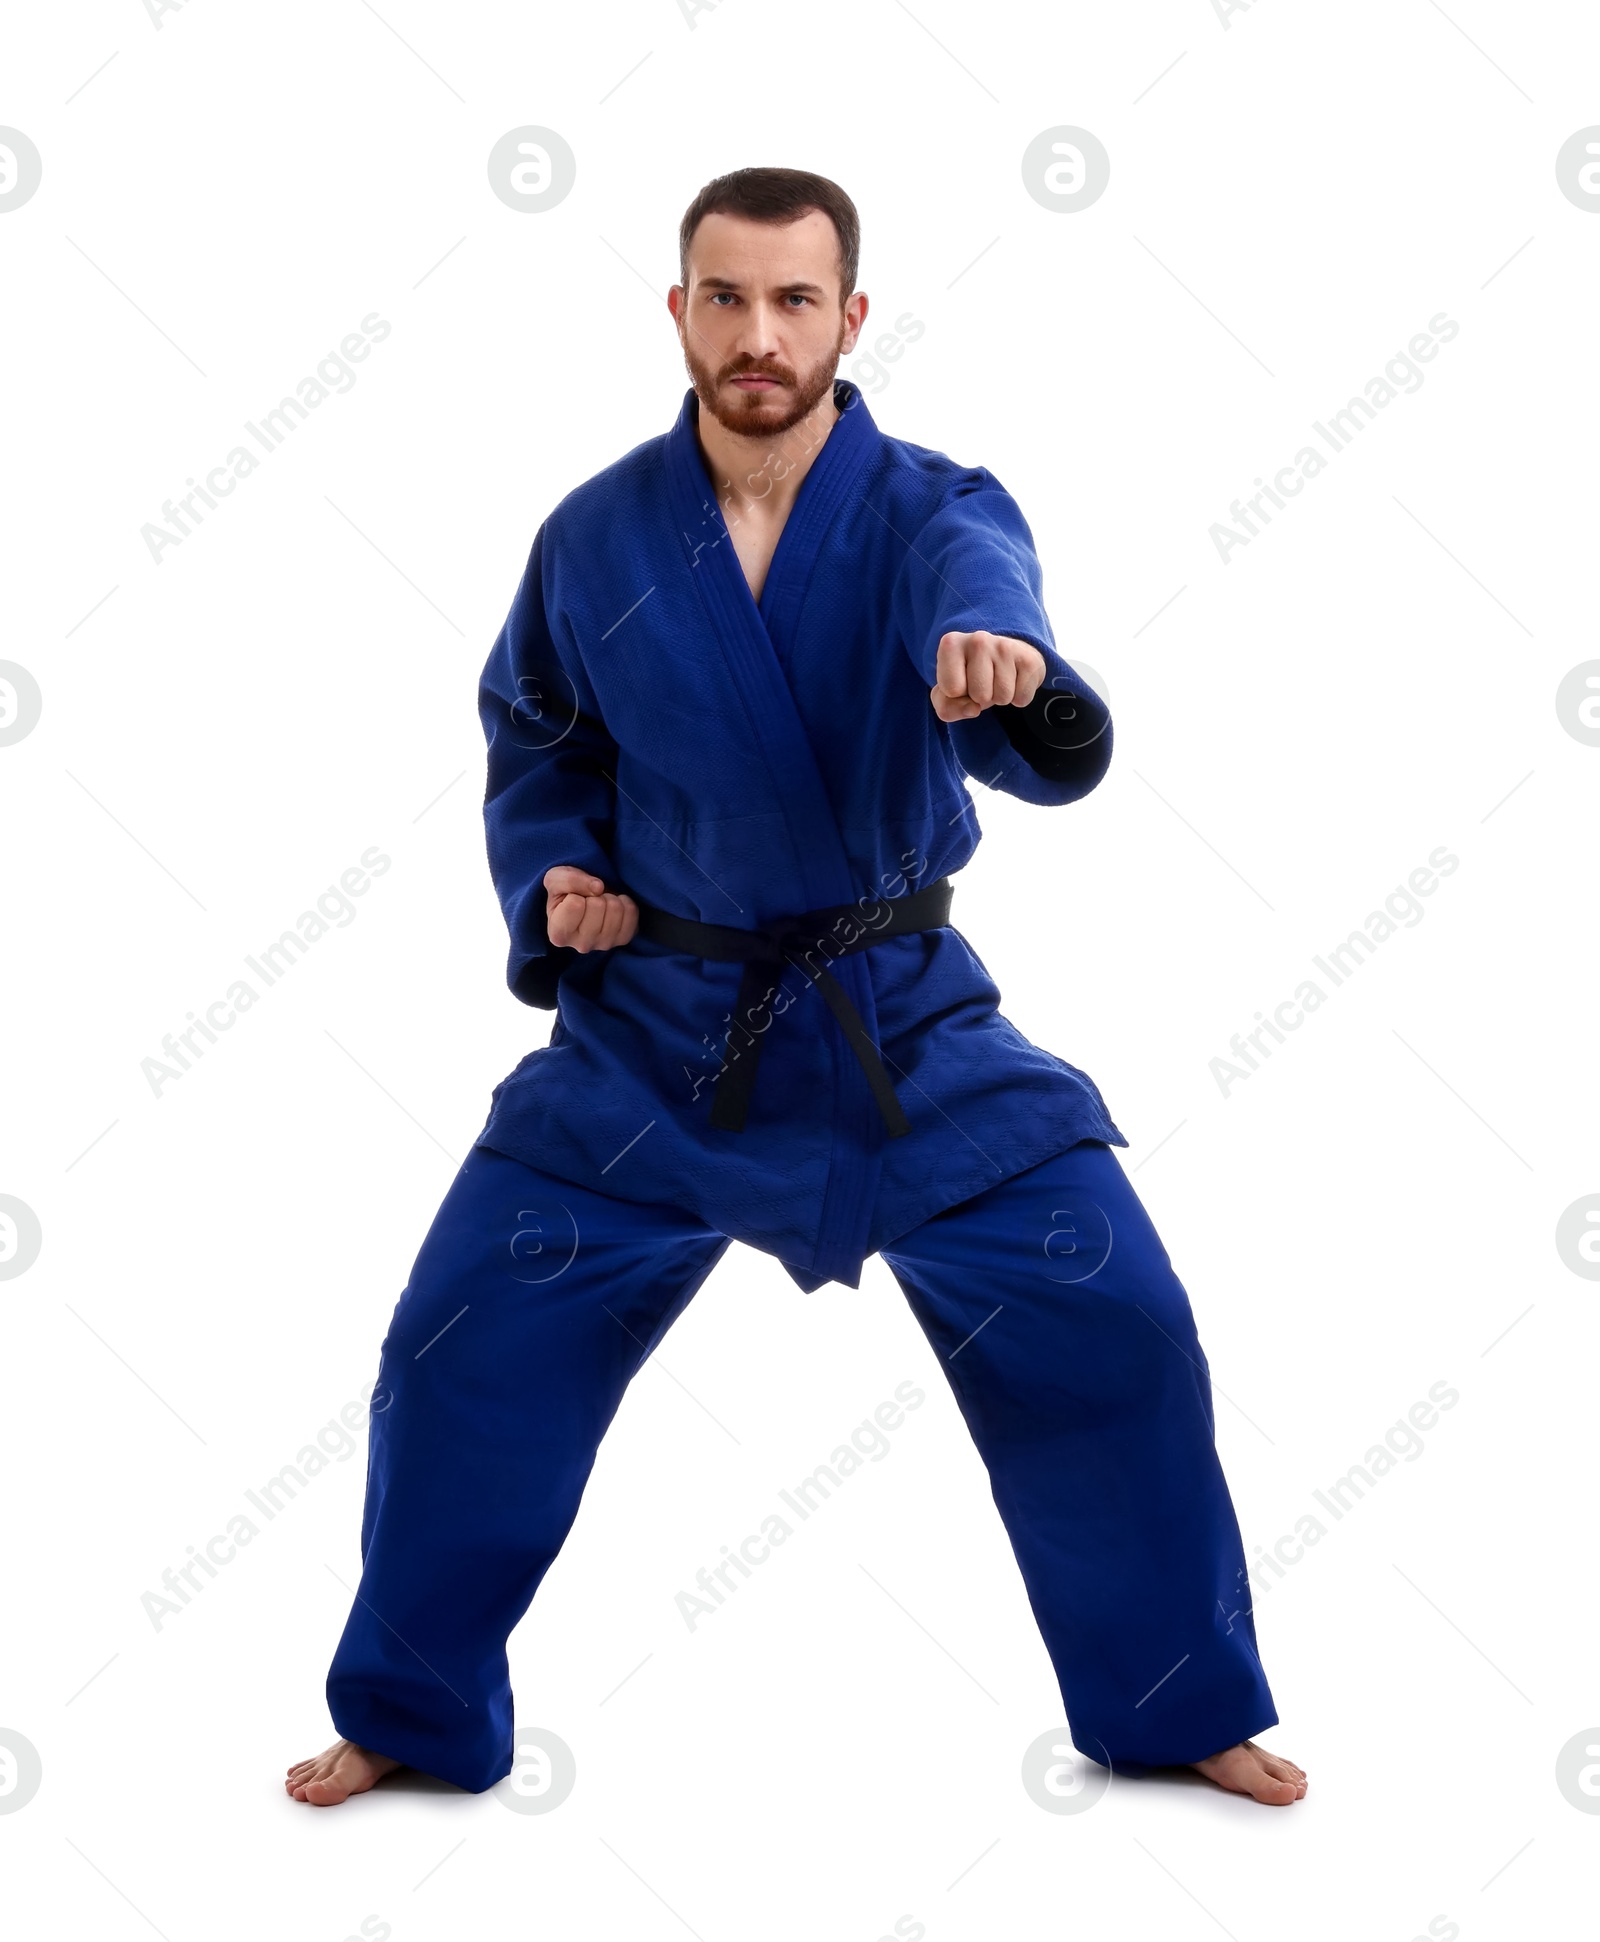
(1186, 1754)
(422, 1751)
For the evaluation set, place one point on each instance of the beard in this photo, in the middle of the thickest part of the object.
(757, 414)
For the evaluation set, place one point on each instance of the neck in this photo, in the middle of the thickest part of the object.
(764, 470)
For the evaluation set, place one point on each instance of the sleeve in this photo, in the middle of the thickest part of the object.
(972, 567)
(548, 797)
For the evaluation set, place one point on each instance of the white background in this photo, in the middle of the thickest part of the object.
(1372, 1212)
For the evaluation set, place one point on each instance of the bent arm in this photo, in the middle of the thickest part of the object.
(548, 797)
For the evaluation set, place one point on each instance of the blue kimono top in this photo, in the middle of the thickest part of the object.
(739, 762)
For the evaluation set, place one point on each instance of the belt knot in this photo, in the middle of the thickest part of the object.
(788, 941)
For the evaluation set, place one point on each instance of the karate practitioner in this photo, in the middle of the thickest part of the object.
(728, 719)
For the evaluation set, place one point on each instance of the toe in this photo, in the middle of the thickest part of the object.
(313, 1774)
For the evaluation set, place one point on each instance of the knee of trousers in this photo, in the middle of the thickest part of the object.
(1082, 1357)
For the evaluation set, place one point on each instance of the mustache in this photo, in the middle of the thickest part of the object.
(747, 368)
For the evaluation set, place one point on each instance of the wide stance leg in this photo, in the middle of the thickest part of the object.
(531, 1305)
(1072, 1351)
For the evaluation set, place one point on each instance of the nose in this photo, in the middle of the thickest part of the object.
(760, 332)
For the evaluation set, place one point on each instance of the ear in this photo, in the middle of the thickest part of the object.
(855, 315)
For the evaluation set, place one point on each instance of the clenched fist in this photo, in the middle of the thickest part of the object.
(978, 671)
(581, 912)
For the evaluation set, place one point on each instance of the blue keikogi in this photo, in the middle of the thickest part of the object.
(740, 763)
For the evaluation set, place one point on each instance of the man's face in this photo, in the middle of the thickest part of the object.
(760, 323)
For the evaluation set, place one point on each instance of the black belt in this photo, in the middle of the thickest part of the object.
(795, 941)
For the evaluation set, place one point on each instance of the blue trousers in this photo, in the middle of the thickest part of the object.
(1067, 1340)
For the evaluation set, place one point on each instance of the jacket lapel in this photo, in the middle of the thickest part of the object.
(745, 632)
(824, 493)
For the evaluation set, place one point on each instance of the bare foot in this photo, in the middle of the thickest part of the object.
(1247, 1769)
(345, 1769)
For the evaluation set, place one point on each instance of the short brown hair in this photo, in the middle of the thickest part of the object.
(777, 196)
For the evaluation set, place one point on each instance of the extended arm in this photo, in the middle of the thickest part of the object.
(971, 576)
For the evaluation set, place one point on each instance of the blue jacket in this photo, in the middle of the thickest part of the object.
(740, 762)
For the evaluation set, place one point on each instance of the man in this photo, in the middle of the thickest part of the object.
(727, 719)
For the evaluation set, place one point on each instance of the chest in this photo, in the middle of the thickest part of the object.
(755, 537)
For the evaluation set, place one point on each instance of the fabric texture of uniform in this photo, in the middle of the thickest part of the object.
(739, 762)
(1051, 1307)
